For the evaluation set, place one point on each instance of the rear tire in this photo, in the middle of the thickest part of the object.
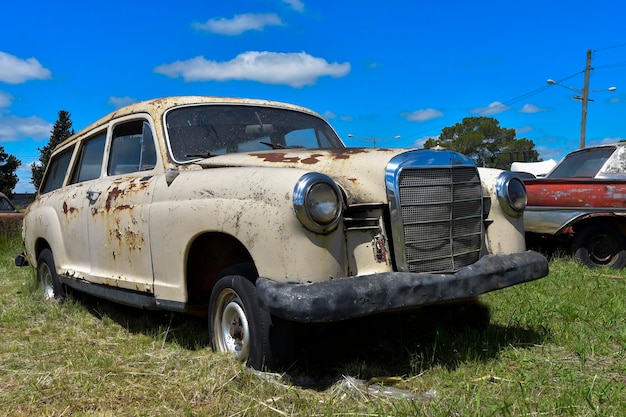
(48, 278)
(600, 246)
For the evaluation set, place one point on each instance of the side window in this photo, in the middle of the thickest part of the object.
(5, 205)
(132, 148)
(57, 168)
(89, 163)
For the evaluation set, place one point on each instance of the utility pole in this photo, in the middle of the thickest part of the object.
(585, 98)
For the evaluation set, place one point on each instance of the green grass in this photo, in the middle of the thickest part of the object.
(554, 347)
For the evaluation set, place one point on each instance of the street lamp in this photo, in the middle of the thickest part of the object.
(350, 135)
(583, 97)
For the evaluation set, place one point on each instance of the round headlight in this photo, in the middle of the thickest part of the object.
(322, 203)
(511, 193)
(317, 202)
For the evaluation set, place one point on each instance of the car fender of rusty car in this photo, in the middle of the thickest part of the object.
(582, 202)
(254, 213)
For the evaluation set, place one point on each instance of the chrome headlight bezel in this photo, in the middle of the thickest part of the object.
(511, 193)
(317, 216)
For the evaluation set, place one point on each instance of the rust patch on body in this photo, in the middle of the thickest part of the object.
(278, 157)
(312, 159)
(113, 194)
(67, 209)
(345, 153)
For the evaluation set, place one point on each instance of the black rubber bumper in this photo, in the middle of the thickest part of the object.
(350, 297)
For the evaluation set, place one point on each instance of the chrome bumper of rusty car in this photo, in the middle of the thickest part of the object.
(351, 297)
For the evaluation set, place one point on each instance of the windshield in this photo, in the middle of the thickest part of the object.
(208, 130)
(583, 164)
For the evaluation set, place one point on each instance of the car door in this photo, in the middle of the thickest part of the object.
(119, 238)
(72, 205)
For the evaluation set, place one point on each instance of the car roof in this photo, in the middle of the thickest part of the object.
(158, 105)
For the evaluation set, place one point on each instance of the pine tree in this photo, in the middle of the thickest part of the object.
(8, 178)
(62, 130)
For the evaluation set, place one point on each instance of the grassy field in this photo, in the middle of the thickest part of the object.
(554, 347)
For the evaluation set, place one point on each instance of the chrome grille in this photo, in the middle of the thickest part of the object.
(441, 216)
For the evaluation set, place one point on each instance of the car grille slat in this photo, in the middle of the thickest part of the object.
(441, 216)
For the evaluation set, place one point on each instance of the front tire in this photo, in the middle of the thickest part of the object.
(600, 246)
(47, 276)
(238, 325)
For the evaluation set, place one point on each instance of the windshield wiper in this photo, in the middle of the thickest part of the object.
(206, 154)
(274, 145)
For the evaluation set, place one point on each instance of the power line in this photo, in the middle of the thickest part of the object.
(621, 64)
(502, 106)
(621, 45)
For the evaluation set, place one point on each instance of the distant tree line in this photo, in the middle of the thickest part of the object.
(488, 144)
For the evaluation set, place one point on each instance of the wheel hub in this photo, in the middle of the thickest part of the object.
(602, 249)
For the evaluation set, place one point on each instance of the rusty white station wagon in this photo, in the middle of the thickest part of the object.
(255, 213)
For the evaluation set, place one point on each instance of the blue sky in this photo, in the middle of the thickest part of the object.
(373, 69)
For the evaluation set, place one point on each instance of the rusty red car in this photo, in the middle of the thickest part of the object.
(10, 217)
(582, 202)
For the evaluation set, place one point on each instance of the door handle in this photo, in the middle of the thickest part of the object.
(92, 196)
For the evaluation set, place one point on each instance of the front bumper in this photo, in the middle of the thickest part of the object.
(345, 298)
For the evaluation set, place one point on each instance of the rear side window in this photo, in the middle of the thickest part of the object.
(5, 205)
(132, 148)
(89, 164)
(583, 164)
(57, 167)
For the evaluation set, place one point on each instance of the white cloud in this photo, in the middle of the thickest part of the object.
(14, 70)
(343, 117)
(118, 102)
(493, 108)
(608, 141)
(5, 99)
(14, 128)
(296, 5)
(523, 130)
(550, 152)
(531, 108)
(240, 23)
(419, 143)
(293, 69)
(423, 115)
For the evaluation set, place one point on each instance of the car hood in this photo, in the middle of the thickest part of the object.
(360, 172)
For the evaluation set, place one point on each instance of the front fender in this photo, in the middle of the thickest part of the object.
(260, 215)
(560, 221)
(504, 233)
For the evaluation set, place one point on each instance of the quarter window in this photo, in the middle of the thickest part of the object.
(57, 169)
(89, 163)
(582, 164)
(5, 205)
